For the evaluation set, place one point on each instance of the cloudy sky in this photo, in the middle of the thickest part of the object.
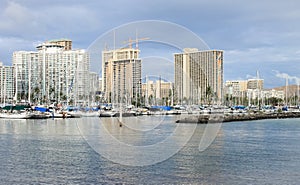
(261, 35)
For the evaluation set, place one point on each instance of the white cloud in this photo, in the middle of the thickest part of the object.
(40, 22)
(14, 16)
(287, 76)
(262, 54)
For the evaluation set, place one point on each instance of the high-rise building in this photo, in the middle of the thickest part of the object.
(51, 73)
(7, 88)
(121, 74)
(94, 86)
(255, 84)
(199, 76)
(26, 68)
(65, 43)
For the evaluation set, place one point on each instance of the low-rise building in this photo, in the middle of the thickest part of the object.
(158, 92)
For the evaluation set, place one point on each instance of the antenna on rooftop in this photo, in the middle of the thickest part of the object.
(105, 47)
(136, 39)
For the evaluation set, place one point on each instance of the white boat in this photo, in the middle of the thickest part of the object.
(107, 114)
(59, 115)
(90, 114)
(38, 115)
(22, 115)
(73, 114)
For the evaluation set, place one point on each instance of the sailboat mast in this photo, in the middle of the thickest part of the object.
(297, 92)
(147, 103)
(16, 93)
(4, 98)
(286, 91)
(258, 88)
(29, 81)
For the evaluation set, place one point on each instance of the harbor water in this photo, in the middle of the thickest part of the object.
(55, 152)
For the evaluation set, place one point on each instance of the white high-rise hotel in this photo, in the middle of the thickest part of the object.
(53, 72)
(199, 76)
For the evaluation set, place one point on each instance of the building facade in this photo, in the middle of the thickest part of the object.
(199, 76)
(65, 43)
(236, 88)
(51, 73)
(255, 84)
(249, 92)
(94, 85)
(7, 84)
(265, 94)
(158, 92)
(121, 75)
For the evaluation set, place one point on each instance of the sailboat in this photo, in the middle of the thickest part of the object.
(15, 115)
(15, 112)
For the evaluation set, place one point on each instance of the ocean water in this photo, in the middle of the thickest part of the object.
(55, 152)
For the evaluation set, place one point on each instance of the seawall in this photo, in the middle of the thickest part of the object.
(218, 118)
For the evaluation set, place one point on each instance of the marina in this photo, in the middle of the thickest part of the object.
(190, 114)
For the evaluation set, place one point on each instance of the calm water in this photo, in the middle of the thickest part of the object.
(54, 152)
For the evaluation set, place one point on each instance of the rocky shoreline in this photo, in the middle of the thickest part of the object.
(218, 118)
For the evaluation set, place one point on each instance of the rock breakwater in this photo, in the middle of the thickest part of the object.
(217, 118)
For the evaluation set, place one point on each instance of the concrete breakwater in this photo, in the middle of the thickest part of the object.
(218, 118)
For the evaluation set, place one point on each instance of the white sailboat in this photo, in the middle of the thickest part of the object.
(13, 115)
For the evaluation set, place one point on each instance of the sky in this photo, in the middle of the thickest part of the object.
(258, 35)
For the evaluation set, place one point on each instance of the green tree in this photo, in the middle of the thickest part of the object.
(36, 94)
(209, 93)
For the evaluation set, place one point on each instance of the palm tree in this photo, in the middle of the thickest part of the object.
(209, 93)
(36, 93)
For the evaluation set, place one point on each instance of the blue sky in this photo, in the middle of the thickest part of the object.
(255, 35)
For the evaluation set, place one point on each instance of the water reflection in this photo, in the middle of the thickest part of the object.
(39, 127)
(134, 147)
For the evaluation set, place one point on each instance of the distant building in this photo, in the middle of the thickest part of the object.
(53, 72)
(253, 94)
(121, 74)
(255, 84)
(93, 86)
(100, 85)
(7, 88)
(156, 92)
(199, 76)
(250, 92)
(273, 93)
(235, 88)
(66, 43)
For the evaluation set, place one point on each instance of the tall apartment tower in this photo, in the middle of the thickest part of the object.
(51, 73)
(65, 43)
(199, 76)
(121, 74)
(7, 85)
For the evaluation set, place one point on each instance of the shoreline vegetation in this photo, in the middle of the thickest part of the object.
(219, 118)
